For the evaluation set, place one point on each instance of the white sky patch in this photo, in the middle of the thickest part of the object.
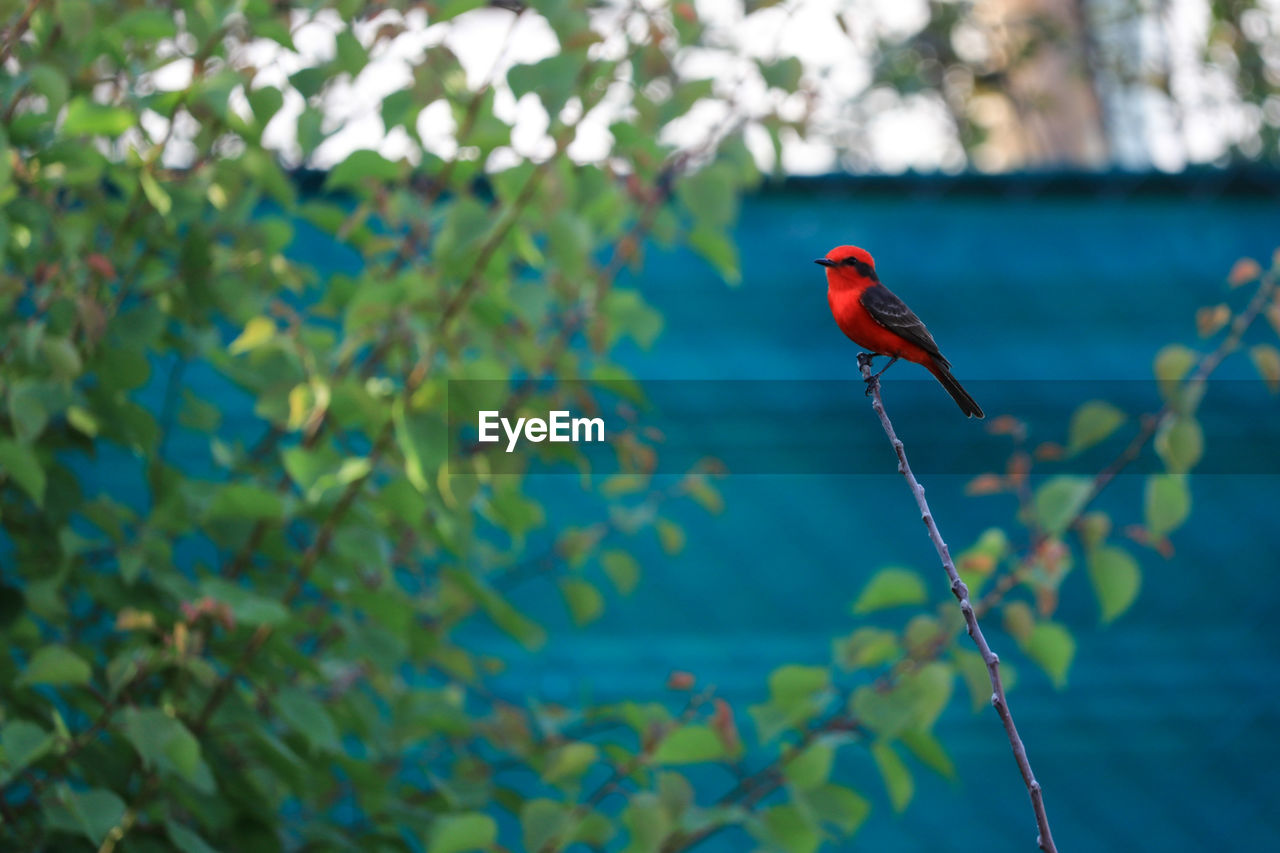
(882, 131)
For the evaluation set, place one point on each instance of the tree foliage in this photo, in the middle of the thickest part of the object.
(245, 630)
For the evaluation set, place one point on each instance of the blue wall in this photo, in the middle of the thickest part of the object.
(1165, 738)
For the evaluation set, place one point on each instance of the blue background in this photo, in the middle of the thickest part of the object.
(1166, 736)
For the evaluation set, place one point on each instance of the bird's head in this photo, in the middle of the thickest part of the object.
(850, 259)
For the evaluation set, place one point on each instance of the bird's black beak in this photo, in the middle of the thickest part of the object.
(824, 262)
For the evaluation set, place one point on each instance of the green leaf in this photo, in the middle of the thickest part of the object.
(361, 166)
(689, 745)
(93, 813)
(789, 828)
(87, 117)
(811, 768)
(20, 463)
(630, 315)
(839, 806)
(1266, 359)
(584, 601)
(792, 683)
(185, 839)
(28, 411)
(896, 776)
(1092, 423)
(21, 743)
(571, 761)
(1167, 503)
(56, 665)
(165, 743)
(552, 79)
(453, 8)
(307, 716)
(891, 588)
(716, 249)
(155, 193)
(257, 332)
(1180, 443)
(974, 672)
(670, 535)
(458, 833)
(543, 822)
(622, 569)
(1116, 579)
(246, 501)
(866, 647)
(647, 823)
(530, 634)
(1059, 500)
(932, 754)
(246, 606)
(1171, 364)
(914, 702)
(1052, 647)
(783, 73)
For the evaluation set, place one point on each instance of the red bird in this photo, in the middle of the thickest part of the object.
(875, 319)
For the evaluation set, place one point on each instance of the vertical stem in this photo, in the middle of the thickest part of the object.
(961, 592)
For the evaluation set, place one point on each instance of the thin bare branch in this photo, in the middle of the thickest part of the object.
(961, 592)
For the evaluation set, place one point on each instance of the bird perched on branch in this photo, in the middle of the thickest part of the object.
(877, 320)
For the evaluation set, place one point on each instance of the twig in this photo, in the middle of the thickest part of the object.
(961, 592)
(1192, 390)
(15, 33)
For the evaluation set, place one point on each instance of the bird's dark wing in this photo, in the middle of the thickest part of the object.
(892, 313)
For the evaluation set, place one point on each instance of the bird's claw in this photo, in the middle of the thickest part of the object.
(865, 360)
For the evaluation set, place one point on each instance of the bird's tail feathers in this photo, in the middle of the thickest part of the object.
(967, 404)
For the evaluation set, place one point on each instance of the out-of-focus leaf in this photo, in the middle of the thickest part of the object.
(622, 569)
(93, 812)
(1172, 363)
(646, 822)
(896, 776)
(93, 119)
(1180, 443)
(165, 743)
(21, 743)
(811, 768)
(55, 665)
(891, 588)
(690, 744)
(21, 464)
(308, 717)
(584, 601)
(570, 761)
(543, 822)
(1091, 424)
(1167, 503)
(1059, 500)
(1053, 647)
(1266, 359)
(866, 647)
(185, 839)
(460, 833)
(360, 166)
(789, 828)
(926, 747)
(1116, 578)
